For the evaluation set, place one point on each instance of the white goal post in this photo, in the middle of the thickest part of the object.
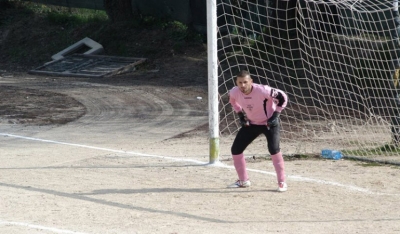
(212, 53)
(338, 61)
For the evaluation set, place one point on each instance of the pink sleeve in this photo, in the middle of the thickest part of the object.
(233, 102)
(278, 95)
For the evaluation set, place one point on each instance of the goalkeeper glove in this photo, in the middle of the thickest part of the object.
(274, 120)
(243, 120)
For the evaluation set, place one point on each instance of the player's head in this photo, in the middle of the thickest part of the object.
(244, 81)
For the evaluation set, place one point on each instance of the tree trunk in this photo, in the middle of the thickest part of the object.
(119, 10)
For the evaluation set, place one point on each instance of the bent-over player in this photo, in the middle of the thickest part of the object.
(258, 107)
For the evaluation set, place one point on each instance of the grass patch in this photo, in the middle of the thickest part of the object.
(387, 149)
(73, 19)
(64, 15)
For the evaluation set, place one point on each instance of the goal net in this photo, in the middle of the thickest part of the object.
(336, 59)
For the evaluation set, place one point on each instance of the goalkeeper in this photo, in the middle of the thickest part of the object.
(258, 107)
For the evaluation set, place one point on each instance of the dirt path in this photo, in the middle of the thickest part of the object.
(126, 167)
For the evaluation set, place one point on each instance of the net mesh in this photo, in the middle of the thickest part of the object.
(336, 60)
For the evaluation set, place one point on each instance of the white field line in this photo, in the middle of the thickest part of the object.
(218, 164)
(40, 227)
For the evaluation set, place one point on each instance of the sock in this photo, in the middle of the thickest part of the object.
(279, 165)
(240, 165)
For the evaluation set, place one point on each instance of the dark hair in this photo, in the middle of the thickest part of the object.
(243, 73)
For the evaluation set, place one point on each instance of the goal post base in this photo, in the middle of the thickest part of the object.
(214, 150)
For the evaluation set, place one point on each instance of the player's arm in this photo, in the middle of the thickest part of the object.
(282, 100)
(281, 97)
(238, 109)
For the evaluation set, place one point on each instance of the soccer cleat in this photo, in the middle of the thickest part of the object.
(282, 187)
(240, 184)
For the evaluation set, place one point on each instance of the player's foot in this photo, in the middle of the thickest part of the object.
(240, 184)
(282, 187)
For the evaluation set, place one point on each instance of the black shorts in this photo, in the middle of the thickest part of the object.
(248, 134)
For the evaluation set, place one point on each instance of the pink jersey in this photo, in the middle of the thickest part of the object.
(260, 104)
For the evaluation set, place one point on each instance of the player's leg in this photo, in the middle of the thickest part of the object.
(273, 138)
(244, 137)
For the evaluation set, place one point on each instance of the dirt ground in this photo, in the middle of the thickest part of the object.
(128, 154)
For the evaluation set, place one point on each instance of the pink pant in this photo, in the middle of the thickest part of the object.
(277, 160)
